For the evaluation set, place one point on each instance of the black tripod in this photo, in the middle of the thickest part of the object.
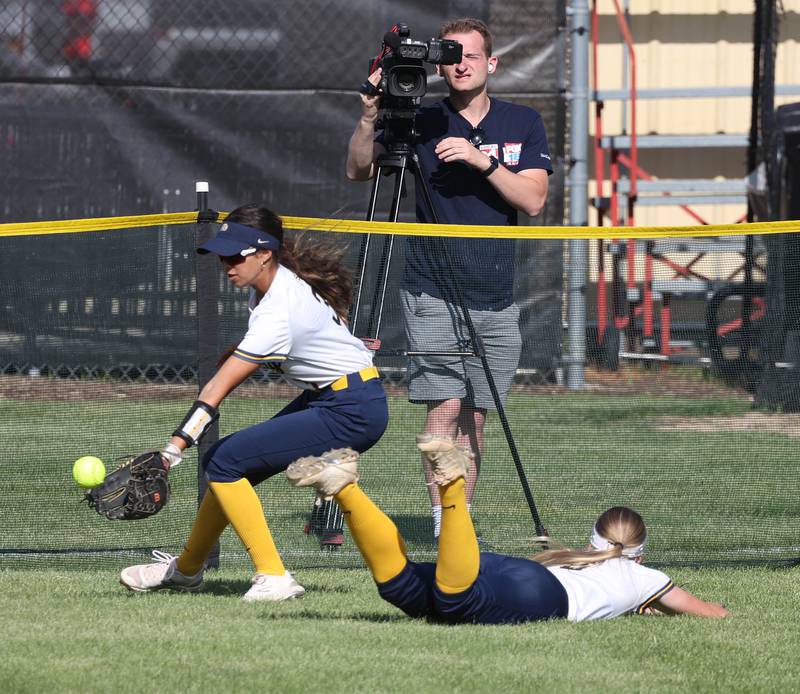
(399, 159)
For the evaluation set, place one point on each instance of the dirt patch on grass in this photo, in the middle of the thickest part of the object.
(755, 422)
(63, 389)
(640, 380)
(629, 380)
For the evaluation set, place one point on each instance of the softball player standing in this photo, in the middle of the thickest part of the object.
(299, 297)
(467, 586)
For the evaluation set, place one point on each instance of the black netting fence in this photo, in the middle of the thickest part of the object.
(715, 479)
(116, 108)
(257, 98)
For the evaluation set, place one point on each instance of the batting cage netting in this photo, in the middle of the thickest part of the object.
(100, 358)
(108, 325)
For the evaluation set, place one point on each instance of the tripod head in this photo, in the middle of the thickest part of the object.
(399, 131)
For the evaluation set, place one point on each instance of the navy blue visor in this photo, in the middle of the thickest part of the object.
(238, 239)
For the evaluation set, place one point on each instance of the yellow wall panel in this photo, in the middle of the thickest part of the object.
(691, 43)
(671, 7)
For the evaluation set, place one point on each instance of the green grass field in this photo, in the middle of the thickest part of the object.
(79, 631)
(712, 497)
(706, 495)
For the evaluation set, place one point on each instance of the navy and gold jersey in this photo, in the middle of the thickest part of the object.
(611, 588)
(508, 590)
(511, 590)
(292, 330)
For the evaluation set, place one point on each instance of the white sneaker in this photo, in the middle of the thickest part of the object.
(448, 461)
(143, 578)
(328, 473)
(274, 588)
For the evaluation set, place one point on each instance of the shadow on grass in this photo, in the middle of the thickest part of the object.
(324, 588)
(413, 527)
(226, 588)
(316, 615)
(238, 587)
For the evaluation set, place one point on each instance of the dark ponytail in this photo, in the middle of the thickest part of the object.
(316, 262)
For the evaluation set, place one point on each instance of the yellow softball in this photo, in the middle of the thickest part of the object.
(88, 471)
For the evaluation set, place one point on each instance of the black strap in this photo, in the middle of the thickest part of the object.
(197, 421)
(207, 217)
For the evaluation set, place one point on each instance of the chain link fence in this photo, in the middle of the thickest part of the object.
(115, 107)
(251, 44)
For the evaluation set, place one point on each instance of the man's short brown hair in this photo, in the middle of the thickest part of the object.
(464, 26)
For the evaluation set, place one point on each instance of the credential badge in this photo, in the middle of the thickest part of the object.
(511, 152)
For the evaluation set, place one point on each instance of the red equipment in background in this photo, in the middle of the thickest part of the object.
(81, 22)
(635, 312)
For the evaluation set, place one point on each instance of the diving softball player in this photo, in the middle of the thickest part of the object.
(299, 298)
(466, 586)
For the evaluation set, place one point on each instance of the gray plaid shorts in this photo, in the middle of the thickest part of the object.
(435, 325)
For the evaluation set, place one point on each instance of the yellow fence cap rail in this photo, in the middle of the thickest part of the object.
(537, 232)
(352, 226)
(74, 226)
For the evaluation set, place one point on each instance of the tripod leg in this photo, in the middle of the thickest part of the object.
(481, 353)
(363, 253)
(376, 313)
(327, 520)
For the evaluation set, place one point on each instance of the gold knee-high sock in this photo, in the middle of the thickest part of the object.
(459, 555)
(241, 505)
(209, 523)
(376, 535)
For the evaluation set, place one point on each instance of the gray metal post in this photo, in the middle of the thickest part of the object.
(207, 293)
(578, 193)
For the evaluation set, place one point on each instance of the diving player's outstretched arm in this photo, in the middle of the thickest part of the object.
(679, 601)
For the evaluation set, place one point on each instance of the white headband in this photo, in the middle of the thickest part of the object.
(600, 543)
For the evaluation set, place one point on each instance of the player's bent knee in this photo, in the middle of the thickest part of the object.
(219, 471)
(410, 590)
(458, 607)
(453, 590)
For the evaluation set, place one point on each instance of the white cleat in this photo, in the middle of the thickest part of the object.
(328, 473)
(162, 573)
(448, 461)
(274, 588)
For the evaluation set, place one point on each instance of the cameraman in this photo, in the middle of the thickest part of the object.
(482, 160)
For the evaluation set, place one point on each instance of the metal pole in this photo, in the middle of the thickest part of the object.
(207, 293)
(578, 193)
(625, 71)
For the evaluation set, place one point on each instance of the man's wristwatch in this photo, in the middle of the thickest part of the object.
(488, 172)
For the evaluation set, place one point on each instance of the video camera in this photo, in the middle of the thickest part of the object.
(404, 81)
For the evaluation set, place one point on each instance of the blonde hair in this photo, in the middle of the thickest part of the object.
(621, 526)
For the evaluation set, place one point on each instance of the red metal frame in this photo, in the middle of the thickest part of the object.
(758, 312)
(599, 177)
(641, 173)
(620, 321)
(638, 305)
